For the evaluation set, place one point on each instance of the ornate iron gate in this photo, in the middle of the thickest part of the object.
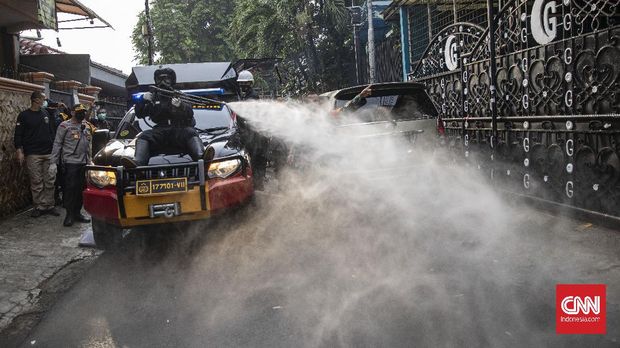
(546, 124)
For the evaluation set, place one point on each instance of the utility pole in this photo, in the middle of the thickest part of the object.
(356, 22)
(356, 43)
(371, 42)
(149, 31)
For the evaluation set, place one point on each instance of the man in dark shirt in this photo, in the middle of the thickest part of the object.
(34, 137)
(100, 120)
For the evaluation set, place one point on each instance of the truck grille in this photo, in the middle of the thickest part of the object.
(187, 171)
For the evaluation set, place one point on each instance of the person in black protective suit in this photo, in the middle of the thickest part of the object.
(174, 123)
(245, 80)
(257, 143)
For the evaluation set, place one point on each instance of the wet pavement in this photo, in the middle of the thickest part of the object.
(34, 250)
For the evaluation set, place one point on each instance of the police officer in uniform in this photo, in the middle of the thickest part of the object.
(174, 123)
(73, 145)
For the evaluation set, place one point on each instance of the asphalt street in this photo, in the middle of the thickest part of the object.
(339, 266)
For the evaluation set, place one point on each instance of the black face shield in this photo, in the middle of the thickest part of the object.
(165, 77)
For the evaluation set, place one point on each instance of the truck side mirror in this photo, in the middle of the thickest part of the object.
(100, 139)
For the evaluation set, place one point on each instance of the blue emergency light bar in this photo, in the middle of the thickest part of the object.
(204, 91)
(137, 97)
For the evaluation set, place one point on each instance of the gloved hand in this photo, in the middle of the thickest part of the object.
(53, 169)
(148, 96)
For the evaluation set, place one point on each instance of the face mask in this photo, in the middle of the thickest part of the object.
(80, 116)
(44, 105)
(102, 116)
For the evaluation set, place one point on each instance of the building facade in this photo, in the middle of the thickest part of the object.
(17, 83)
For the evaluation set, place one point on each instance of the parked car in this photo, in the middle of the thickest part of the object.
(392, 109)
(172, 187)
(400, 111)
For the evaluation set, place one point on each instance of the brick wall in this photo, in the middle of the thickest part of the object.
(14, 187)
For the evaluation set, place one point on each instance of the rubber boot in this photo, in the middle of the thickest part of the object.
(142, 155)
(195, 148)
(68, 220)
(209, 154)
(143, 152)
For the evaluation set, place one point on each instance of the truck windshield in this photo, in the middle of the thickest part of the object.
(206, 119)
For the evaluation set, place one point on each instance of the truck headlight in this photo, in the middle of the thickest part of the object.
(102, 178)
(223, 169)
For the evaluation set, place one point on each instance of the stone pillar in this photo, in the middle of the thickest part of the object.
(92, 91)
(89, 94)
(39, 78)
(70, 86)
(86, 99)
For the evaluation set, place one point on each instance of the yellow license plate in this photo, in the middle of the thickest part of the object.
(161, 186)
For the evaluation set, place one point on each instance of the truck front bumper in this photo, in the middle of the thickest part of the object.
(120, 206)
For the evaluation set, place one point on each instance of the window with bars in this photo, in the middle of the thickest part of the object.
(472, 11)
(441, 14)
(418, 31)
(428, 18)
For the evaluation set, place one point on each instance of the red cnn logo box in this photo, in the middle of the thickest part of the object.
(580, 309)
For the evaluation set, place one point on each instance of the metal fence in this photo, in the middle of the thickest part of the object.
(531, 98)
(389, 63)
(115, 111)
(61, 96)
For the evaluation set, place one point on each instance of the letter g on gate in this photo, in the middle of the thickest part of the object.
(544, 27)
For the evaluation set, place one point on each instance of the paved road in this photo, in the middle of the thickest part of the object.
(32, 251)
(337, 264)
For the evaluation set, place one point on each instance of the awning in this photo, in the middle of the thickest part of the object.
(19, 15)
(77, 8)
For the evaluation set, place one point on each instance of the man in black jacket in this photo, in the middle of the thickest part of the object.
(34, 137)
(174, 123)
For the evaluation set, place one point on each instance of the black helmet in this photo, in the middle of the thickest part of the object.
(162, 73)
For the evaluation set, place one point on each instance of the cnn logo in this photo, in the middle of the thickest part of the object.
(575, 305)
(580, 309)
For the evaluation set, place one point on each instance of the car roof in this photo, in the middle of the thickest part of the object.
(185, 73)
(379, 89)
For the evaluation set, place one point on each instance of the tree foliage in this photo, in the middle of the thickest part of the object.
(186, 31)
(312, 37)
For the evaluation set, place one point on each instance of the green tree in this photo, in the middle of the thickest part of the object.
(186, 31)
(312, 38)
